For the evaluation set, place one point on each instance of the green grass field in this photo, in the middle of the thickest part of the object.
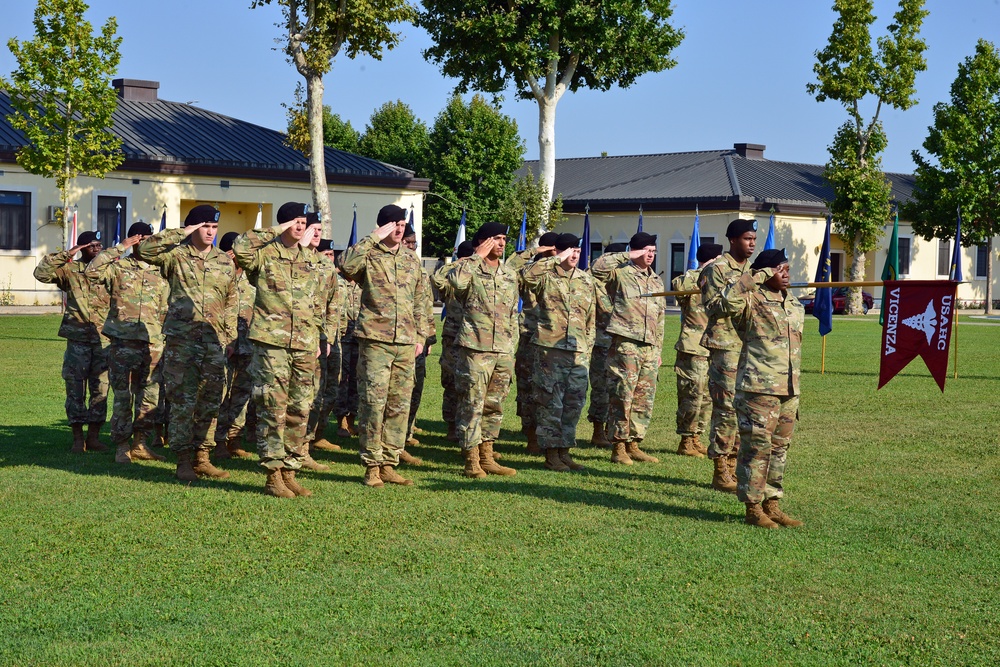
(898, 563)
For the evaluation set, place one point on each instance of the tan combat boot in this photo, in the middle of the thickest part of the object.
(158, 439)
(637, 454)
(775, 514)
(731, 462)
(756, 517)
(235, 448)
(372, 478)
(409, 459)
(600, 438)
(140, 452)
(309, 463)
(618, 453)
(532, 436)
(324, 445)
(412, 440)
(203, 466)
(472, 468)
(93, 433)
(687, 447)
(489, 464)
(721, 481)
(342, 430)
(553, 460)
(350, 425)
(122, 453)
(185, 471)
(79, 442)
(702, 449)
(275, 485)
(221, 452)
(388, 474)
(288, 477)
(568, 460)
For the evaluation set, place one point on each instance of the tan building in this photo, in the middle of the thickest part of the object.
(726, 184)
(176, 157)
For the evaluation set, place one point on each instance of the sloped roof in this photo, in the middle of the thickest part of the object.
(707, 178)
(170, 136)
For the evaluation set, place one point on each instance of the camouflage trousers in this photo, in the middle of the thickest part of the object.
(561, 381)
(483, 381)
(633, 368)
(282, 392)
(524, 370)
(135, 372)
(85, 367)
(598, 411)
(694, 407)
(347, 394)
(766, 427)
(722, 390)
(326, 389)
(239, 389)
(194, 380)
(385, 384)
(450, 353)
(419, 374)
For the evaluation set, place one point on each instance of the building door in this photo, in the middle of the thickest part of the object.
(836, 266)
(108, 219)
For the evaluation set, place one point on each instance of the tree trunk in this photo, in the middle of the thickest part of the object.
(317, 152)
(854, 305)
(989, 276)
(547, 153)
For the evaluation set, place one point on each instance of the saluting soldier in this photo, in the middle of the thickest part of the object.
(85, 364)
(449, 331)
(597, 413)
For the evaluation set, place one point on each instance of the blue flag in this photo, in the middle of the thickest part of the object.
(118, 225)
(769, 241)
(163, 220)
(354, 230)
(823, 301)
(956, 255)
(584, 262)
(695, 242)
(522, 237)
(640, 221)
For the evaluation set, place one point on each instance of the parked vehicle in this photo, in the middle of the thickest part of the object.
(839, 301)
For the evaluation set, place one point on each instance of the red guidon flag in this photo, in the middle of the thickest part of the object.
(918, 316)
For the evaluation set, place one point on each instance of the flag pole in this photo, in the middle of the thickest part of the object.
(822, 363)
(954, 338)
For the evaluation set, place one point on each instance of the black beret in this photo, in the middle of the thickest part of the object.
(465, 249)
(88, 237)
(739, 227)
(143, 228)
(641, 240)
(709, 251)
(291, 210)
(227, 241)
(325, 245)
(616, 247)
(409, 231)
(566, 241)
(201, 213)
(769, 259)
(548, 239)
(390, 213)
(488, 230)
(313, 218)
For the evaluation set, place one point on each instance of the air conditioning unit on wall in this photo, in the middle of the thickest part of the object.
(55, 214)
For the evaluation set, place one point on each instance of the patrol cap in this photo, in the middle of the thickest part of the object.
(292, 210)
(709, 251)
(201, 213)
(313, 218)
(488, 230)
(465, 249)
(409, 231)
(641, 240)
(325, 245)
(547, 239)
(566, 241)
(616, 247)
(769, 259)
(739, 227)
(86, 238)
(227, 241)
(390, 213)
(143, 228)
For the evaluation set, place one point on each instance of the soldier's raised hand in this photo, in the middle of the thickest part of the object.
(485, 247)
(190, 229)
(308, 235)
(132, 240)
(383, 232)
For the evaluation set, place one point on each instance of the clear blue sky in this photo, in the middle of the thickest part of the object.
(741, 75)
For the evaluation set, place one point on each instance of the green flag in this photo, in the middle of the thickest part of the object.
(891, 269)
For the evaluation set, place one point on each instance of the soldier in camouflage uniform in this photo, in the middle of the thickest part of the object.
(769, 321)
(724, 349)
(450, 351)
(85, 364)
(296, 300)
(636, 327)
(328, 380)
(597, 414)
(239, 381)
(347, 394)
(135, 326)
(694, 407)
(564, 336)
(524, 357)
(420, 365)
(487, 287)
(200, 324)
(394, 321)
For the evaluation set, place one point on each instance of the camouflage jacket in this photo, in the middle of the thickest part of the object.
(87, 301)
(429, 315)
(605, 307)
(633, 316)
(296, 290)
(693, 316)
(566, 309)
(138, 295)
(489, 303)
(202, 302)
(770, 325)
(350, 307)
(329, 268)
(529, 302)
(395, 295)
(452, 306)
(714, 278)
(246, 297)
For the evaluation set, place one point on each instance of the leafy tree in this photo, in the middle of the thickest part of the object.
(965, 140)
(527, 193)
(337, 133)
(63, 97)
(395, 135)
(547, 48)
(473, 153)
(850, 71)
(317, 31)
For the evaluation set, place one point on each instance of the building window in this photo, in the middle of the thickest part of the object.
(107, 219)
(982, 260)
(705, 240)
(15, 220)
(904, 255)
(596, 250)
(944, 257)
